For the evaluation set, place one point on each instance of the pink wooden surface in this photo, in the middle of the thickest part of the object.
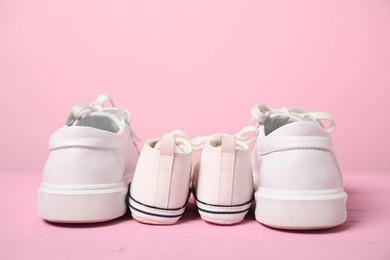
(366, 235)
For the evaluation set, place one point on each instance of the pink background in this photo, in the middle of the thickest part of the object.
(195, 65)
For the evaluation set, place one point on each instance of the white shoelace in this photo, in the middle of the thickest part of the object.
(182, 143)
(243, 138)
(261, 112)
(80, 110)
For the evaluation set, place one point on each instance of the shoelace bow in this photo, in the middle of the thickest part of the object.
(181, 140)
(80, 110)
(261, 112)
(245, 136)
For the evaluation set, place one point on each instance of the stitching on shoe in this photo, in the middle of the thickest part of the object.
(98, 148)
(295, 149)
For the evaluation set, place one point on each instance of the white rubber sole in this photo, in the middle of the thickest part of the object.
(301, 209)
(81, 203)
(154, 215)
(223, 215)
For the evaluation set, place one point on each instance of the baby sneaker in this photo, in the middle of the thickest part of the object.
(161, 185)
(91, 162)
(222, 179)
(297, 178)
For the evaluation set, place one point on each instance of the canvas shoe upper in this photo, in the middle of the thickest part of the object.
(91, 162)
(161, 186)
(297, 178)
(222, 180)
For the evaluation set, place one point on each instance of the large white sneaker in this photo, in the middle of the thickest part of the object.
(222, 180)
(297, 178)
(161, 186)
(91, 162)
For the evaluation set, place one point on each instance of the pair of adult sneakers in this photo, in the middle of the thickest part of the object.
(95, 170)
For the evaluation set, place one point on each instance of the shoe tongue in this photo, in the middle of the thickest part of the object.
(276, 120)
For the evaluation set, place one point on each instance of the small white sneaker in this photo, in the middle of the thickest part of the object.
(91, 162)
(298, 181)
(222, 180)
(161, 186)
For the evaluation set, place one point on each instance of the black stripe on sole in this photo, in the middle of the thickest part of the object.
(225, 206)
(154, 214)
(224, 212)
(153, 207)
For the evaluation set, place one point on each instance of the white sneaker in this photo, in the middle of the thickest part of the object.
(91, 162)
(297, 178)
(222, 180)
(161, 185)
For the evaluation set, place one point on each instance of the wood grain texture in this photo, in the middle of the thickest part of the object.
(365, 235)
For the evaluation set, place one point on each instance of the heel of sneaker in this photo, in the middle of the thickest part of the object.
(81, 206)
(223, 215)
(154, 215)
(300, 211)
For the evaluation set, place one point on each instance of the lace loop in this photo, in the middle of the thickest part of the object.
(78, 111)
(182, 143)
(260, 112)
(243, 137)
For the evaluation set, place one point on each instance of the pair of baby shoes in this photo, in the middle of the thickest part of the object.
(95, 170)
(222, 182)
